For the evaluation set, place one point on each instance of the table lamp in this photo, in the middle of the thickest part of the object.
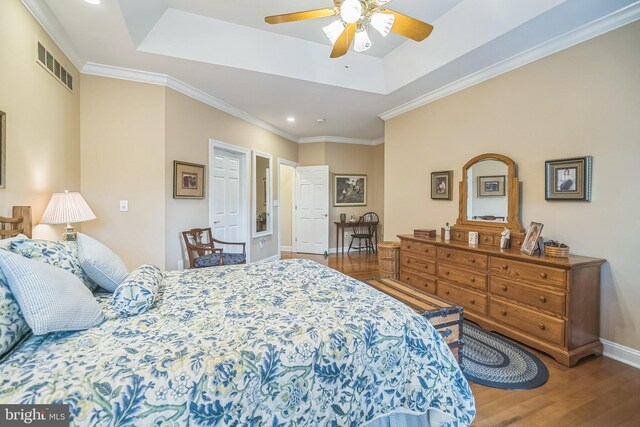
(65, 208)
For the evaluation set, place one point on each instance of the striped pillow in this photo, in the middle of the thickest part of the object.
(51, 299)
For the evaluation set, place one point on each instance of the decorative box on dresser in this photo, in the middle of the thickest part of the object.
(551, 304)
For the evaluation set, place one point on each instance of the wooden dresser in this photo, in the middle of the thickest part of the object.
(551, 304)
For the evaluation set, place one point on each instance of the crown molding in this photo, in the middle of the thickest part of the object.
(49, 23)
(341, 140)
(179, 86)
(588, 31)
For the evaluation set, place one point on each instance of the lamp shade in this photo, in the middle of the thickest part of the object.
(65, 208)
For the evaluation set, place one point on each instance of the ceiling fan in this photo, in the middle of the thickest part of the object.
(355, 16)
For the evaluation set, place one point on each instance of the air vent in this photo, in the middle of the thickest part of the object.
(49, 63)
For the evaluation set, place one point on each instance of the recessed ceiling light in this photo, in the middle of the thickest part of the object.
(92, 1)
(321, 120)
(291, 119)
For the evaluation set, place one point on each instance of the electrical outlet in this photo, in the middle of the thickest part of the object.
(262, 242)
(124, 206)
(180, 265)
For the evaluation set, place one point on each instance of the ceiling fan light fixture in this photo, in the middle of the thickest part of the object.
(334, 30)
(382, 22)
(362, 41)
(351, 11)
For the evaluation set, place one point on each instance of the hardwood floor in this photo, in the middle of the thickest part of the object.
(598, 392)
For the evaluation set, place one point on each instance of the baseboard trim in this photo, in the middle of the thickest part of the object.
(286, 249)
(268, 259)
(627, 355)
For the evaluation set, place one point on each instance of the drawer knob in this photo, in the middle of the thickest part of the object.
(504, 266)
(473, 279)
(504, 288)
(503, 312)
(408, 246)
(543, 275)
(448, 255)
(446, 273)
(472, 301)
(541, 326)
(446, 292)
(473, 260)
(543, 299)
(457, 234)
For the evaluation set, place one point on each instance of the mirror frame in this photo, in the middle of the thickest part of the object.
(513, 216)
(269, 201)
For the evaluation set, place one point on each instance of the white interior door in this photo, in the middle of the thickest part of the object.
(312, 209)
(227, 207)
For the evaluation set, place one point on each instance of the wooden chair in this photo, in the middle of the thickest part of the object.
(20, 223)
(365, 230)
(203, 253)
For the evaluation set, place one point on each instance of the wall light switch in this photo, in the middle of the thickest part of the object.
(124, 206)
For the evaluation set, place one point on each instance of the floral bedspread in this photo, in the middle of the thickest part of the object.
(288, 343)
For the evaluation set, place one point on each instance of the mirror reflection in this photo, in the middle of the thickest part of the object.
(488, 198)
(262, 194)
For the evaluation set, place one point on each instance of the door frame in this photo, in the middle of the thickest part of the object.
(294, 165)
(245, 153)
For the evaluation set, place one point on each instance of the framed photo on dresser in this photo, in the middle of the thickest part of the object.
(530, 243)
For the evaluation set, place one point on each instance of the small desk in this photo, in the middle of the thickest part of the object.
(340, 226)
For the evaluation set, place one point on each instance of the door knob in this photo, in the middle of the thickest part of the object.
(325, 215)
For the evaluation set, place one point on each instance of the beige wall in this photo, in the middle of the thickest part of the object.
(190, 125)
(349, 159)
(43, 119)
(123, 154)
(286, 205)
(582, 101)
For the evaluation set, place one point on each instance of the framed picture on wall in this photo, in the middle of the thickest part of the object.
(491, 186)
(188, 180)
(568, 179)
(3, 148)
(441, 185)
(349, 190)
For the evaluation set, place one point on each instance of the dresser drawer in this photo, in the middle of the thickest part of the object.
(470, 300)
(418, 248)
(468, 259)
(541, 325)
(459, 235)
(420, 265)
(461, 276)
(528, 272)
(487, 239)
(418, 281)
(535, 296)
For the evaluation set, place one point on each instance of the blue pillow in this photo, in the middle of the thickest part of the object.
(51, 299)
(12, 324)
(136, 293)
(59, 254)
(100, 263)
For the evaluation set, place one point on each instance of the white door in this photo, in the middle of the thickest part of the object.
(227, 202)
(312, 209)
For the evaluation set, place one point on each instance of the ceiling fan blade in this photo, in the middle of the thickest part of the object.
(408, 26)
(301, 16)
(343, 43)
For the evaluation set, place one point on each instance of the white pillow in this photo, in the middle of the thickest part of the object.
(51, 299)
(4, 243)
(100, 263)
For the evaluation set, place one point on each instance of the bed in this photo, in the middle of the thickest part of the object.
(274, 344)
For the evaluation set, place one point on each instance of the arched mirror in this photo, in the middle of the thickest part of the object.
(489, 193)
(262, 200)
